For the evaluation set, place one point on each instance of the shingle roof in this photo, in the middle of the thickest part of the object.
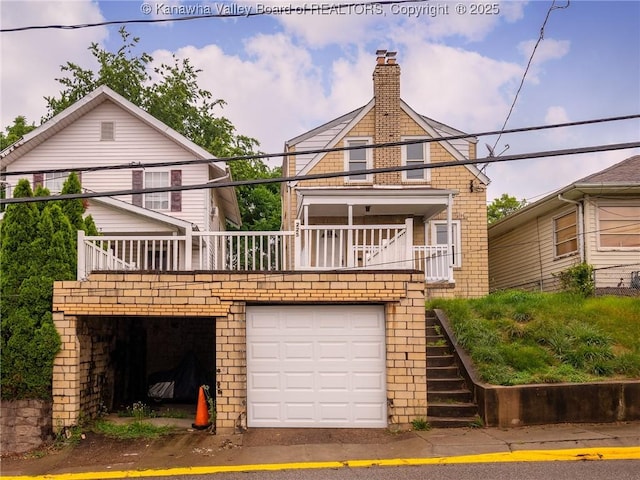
(626, 171)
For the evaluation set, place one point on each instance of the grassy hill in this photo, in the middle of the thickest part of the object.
(516, 337)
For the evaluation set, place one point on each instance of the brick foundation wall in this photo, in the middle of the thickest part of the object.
(224, 296)
(24, 425)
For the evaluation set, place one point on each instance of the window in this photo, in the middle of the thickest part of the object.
(415, 154)
(439, 237)
(157, 200)
(359, 159)
(107, 131)
(619, 226)
(55, 181)
(565, 234)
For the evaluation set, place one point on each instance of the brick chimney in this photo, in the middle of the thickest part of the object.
(386, 92)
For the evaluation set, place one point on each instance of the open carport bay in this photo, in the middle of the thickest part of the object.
(121, 356)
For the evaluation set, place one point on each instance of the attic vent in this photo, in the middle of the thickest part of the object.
(107, 131)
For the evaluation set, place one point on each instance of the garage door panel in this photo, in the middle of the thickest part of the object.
(368, 381)
(298, 350)
(264, 351)
(333, 381)
(330, 361)
(264, 381)
(299, 381)
(367, 350)
(332, 350)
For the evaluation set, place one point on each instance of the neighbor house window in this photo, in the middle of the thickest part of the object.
(107, 131)
(156, 200)
(619, 226)
(415, 154)
(359, 159)
(565, 234)
(439, 237)
(55, 181)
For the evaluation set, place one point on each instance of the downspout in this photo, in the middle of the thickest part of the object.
(581, 239)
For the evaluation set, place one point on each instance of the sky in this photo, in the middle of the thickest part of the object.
(283, 73)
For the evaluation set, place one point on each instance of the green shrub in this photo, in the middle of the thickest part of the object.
(578, 279)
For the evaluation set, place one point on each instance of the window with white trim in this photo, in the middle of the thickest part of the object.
(565, 234)
(358, 159)
(415, 154)
(619, 226)
(156, 200)
(54, 181)
(439, 237)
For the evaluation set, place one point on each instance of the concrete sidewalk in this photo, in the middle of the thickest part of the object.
(312, 448)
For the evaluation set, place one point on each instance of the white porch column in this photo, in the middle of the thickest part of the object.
(449, 239)
(297, 245)
(188, 248)
(81, 269)
(407, 260)
(350, 252)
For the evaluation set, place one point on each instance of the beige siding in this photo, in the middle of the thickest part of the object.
(524, 257)
(613, 266)
(135, 142)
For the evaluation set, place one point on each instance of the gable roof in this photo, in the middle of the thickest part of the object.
(91, 101)
(328, 136)
(624, 175)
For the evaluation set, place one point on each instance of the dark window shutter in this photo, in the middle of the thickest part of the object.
(38, 180)
(137, 184)
(176, 197)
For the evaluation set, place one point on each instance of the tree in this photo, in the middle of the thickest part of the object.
(171, 94)
(37, 247)
(503, 206)
(15, 132)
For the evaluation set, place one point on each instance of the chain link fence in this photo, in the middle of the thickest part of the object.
(617, 280)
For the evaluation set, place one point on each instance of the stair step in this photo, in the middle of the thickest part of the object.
(447, 371)
(451, 422)
(441, 384)
(440, 361)
(445, 409)
(462, 395)
(433, 350)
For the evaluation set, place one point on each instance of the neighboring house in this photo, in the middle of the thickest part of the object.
(433, 220)
(104, 129)
(595, 220)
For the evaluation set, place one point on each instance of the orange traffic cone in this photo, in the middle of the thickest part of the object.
(202, 413)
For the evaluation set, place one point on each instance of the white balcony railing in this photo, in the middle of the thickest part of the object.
(308, 247)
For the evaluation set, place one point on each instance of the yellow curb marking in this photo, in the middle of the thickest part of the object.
(595, 453)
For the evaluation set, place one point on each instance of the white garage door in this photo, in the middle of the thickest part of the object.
(316, 366)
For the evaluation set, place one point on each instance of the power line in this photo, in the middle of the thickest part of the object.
(526, 70)
(146, 8)
(322, 150)
(317, 176)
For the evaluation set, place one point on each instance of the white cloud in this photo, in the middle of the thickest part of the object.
(548, 49)
(31, 59)
(556, 114)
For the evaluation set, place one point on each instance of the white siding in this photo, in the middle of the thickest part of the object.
(115, 221)
(524, 258)
(460, 144)
(606, 258)
(79, 145)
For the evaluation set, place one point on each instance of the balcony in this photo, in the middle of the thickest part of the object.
(306, 248)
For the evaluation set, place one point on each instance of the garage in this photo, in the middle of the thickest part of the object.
(316, 366)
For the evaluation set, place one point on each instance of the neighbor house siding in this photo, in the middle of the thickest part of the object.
(525, 257)
(115, 220)
(79, 145)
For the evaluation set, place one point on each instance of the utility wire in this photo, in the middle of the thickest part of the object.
(317, 176)
(526, 70)
(316, 151)
(301, 9)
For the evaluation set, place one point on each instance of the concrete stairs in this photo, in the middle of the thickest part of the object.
(449, 400)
